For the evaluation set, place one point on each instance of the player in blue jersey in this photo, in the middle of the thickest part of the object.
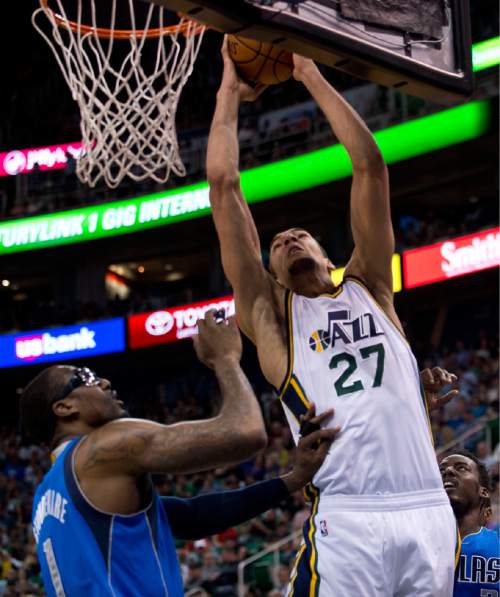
(100, 527)
(467, 484)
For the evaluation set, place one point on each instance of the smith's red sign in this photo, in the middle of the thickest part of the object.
(452, 258)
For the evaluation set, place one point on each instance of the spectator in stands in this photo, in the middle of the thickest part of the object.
(484, 455)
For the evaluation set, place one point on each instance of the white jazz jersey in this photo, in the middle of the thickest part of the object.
(345, 354)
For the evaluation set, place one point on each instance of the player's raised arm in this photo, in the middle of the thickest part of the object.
(134, 447)
(370, 207)
(240, 245)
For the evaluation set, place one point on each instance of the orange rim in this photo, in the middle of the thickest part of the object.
(185, 27)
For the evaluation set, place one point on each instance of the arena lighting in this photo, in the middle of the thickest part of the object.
(486, 54)
(397, 143)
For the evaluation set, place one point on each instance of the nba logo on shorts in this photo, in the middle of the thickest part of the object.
(323, 529)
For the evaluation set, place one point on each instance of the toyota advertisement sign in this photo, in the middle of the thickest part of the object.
(170, 325)
(62, 344)
(455, 257)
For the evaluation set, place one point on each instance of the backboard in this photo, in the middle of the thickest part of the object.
(422, 47)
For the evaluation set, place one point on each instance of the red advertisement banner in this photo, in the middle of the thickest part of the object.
(52, 157)
(170, 325)
(452, 258)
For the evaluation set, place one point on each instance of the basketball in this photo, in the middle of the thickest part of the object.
(260, 62)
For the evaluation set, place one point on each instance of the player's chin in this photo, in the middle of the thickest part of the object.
(119, 412)
(453, 495)
(300, 264)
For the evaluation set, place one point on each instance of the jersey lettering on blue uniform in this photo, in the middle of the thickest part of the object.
(478, 570)
(83, 551)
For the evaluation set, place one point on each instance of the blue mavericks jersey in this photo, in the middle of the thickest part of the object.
(84, 552)
(478, 570)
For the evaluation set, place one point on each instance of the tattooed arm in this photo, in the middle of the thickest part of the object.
(134, 447)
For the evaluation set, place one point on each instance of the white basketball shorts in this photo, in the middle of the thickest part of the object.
(377, 546)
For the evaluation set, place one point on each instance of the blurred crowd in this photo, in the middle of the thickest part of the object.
(209, 566)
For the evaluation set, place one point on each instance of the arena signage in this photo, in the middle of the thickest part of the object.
(53, 157)
(453, 258)
(169, 325)
(486, 54)
(337, 274)
(62, 344)
(399, 142)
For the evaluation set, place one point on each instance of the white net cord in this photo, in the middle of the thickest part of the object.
(127, 104)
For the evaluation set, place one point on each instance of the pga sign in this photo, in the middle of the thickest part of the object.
(53, 157)
(170, 325)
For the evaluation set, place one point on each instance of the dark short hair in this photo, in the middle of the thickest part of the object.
(484, 476)
(37, 419)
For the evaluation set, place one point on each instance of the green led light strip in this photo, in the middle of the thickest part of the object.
(486, 54)
(397, 143)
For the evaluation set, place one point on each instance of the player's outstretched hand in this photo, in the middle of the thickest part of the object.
(233, 83)
(312, 448)
(302, 66)
(217, 339)
(433, 381)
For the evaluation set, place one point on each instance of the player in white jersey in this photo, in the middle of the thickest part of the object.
(381, 522)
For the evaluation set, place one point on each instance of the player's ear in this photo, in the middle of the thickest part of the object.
(65, 409)
(483, 492)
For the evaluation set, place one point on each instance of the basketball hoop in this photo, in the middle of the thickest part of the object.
(127, 101)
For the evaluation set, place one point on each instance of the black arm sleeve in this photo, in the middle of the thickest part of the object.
(205, 515)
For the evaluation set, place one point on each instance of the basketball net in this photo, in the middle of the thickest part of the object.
(127, 107)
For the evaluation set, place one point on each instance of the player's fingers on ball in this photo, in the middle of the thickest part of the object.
(328, 414)
(260, 88)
